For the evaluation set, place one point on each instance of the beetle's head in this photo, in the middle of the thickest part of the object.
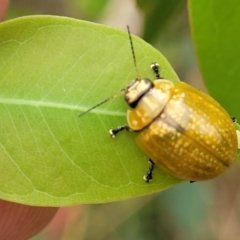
(135, 90)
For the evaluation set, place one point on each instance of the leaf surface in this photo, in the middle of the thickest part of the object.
(51, 69)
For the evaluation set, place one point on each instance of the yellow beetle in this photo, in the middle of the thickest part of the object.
(181, 130)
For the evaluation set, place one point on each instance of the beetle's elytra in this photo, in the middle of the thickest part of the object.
(181, 129)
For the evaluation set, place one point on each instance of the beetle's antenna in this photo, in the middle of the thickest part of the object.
(101, 103)
(123, 90)
(133, 53)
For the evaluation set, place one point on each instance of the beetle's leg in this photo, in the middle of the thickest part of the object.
(148, 176)
(192, 181)
(155, 67)
(113, 132)
(234, 120)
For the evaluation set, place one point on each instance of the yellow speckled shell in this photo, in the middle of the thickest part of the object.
(193, 137)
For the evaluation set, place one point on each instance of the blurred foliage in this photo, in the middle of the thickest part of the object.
(171, 215)
(216, 36)
(91, 8)
(157, 14)
(82, 9)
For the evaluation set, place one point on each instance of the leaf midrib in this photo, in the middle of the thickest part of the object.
(37, 103)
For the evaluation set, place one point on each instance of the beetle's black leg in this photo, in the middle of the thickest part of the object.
(148, 177)
(155, 67)
(234, 120)
(192, 181)
(113, 132)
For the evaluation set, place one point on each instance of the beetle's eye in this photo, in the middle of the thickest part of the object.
(135, 90)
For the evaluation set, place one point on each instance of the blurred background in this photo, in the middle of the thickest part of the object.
(197, 211)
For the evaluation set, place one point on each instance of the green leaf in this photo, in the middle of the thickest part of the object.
(51, 69)
(215, 30)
